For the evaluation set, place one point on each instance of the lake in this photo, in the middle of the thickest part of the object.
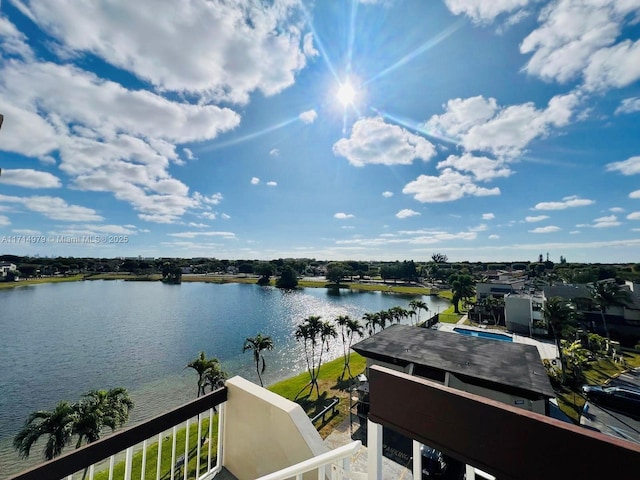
(60, 340)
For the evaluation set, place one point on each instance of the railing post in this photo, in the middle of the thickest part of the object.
(186, 452)
(143, 467)
(417, 460)
(159, 462)
(221, 423)
(198, 449)
(173, 452)
(374, 450)
(127, 463)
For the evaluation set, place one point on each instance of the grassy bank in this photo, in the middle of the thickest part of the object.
(38, 281)
(330, 386)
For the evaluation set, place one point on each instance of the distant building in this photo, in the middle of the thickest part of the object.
(6, 267)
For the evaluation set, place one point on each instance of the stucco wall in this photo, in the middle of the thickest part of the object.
(264, 432)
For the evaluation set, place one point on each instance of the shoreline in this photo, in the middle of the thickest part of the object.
(223, 279)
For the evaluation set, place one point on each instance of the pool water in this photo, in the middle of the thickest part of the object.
(476, 333)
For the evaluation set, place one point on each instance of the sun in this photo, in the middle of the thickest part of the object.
(346, 94)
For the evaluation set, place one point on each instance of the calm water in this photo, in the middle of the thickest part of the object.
(58, 341)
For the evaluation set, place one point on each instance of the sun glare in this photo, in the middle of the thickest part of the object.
(346, 94)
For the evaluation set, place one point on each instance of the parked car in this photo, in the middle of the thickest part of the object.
(622, 399)
(435, 464)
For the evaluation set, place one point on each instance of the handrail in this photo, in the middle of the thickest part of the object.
(315, 462)
(331, 406)
(95, 452)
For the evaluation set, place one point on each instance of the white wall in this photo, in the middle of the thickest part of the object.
(264, 432)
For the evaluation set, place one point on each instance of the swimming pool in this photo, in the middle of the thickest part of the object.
(476, 333)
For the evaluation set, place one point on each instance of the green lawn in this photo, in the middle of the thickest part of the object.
(37, 281)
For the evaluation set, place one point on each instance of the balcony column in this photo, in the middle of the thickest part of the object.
(417, 460)
(374, 450)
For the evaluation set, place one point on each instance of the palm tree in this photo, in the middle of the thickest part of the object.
(370, 322)
(416, 306)
(308, 332)
(257, 344)
(462, 288)
(607, 294)
(99, 409)
(560, 316)
(348, 328)
(327, 332)
(56, 425)
(201, 364)
(214, 376)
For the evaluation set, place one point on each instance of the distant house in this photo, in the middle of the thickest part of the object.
(511, 373)
(6, 267)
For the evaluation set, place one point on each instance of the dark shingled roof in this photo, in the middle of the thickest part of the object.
(513, 364)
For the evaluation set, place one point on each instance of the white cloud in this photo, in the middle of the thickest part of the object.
(635, 194)
(26, 231)
(54, 208)
(309, 116)
(630, 166)
(488, 216)
(494, 237)
(4, 221)
(480, 228)
(223, 50)
(108, 138)
(462, 114)
(255, 181)
(634, 216)
(478, 124)
(447, 187)
(274, 152)
(343, 216)
(549, 229)
(308, 48)
(202, 234)
(387, 194)
(616, 209)
(567, 202)
(577, 39)
(482, 168)
(272, 184)
(603, 222)
(629, 105)
(484, 10)
(373, 141)
(406, 213)
(29, 178)
(188, 153)
(224, 216)
(537, 218)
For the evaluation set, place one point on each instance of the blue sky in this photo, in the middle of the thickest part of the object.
(335, 129)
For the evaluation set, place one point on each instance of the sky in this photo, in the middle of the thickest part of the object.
(486, 130)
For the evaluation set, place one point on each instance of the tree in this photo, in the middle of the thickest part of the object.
(257, 344)
(416, 306)
(439, 258)
(265, 270)
(370, 322)
(606, 294)
(462, 288)
(208, 370)
(336, 272)
(55, 425)
(288, 278)
(348, 329)
(171, 273)
(85, 419)
(560, 316)
(315, 335)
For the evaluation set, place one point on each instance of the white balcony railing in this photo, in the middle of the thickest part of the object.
(335, 464)
(183, 444)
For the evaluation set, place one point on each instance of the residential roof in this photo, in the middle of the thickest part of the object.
(515, 365)
(566, 291)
